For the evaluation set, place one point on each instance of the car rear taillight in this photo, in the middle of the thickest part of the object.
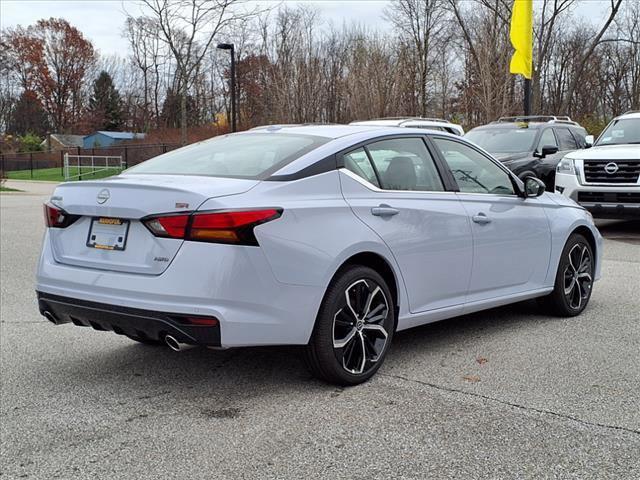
(171, 226)
(55, 217)
(228, 226)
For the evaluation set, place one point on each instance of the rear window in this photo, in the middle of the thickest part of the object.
(250, 155)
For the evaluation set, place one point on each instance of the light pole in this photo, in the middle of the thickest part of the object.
(230, 47)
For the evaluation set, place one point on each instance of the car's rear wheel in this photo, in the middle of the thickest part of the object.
(574, 279)
(354, 328)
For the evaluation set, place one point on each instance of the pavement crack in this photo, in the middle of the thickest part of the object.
(513, 405)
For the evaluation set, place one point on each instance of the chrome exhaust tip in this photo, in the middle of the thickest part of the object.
(50, 316)
(172, 343)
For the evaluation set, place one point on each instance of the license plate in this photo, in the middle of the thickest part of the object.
(108, 233)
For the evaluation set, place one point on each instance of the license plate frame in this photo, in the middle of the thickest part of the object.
(108, 233)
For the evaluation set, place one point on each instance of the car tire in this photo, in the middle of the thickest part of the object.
(145, 341)
(353, 329)
(574, 279)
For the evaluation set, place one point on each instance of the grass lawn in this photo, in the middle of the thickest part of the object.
(7, 189)
(56, 175)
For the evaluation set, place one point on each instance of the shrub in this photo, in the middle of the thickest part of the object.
(30, 142)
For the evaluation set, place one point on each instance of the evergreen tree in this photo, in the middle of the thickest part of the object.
(170, 114)
(105, 104)
(28, 116)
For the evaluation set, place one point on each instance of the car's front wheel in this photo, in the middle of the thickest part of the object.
(353, 329)
(574, 279)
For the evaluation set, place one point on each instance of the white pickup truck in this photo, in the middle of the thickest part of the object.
(605, 179)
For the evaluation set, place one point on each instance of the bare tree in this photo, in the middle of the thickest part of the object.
(188, 27)
(421, 24)
(588, 51)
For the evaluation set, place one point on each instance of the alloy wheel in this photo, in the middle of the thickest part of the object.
(578, 276)
(360, 326)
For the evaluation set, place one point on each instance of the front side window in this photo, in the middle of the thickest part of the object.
(567, 142)
(247, 155)
(474, 172)
(405, 164)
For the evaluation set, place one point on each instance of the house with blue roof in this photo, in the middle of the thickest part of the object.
(103, 138)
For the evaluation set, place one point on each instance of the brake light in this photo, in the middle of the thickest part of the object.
(171, 226)
(229, 226)
(56, 217)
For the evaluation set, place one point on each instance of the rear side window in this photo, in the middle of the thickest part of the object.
(405, 164)
(547, 139)
(565, 139)
(358, 163)
(250, 155)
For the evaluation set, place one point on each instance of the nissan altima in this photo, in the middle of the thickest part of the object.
(331, 237)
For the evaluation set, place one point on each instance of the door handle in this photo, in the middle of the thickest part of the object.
(384, 211)
(481, 218)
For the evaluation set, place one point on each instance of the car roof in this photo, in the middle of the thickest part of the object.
(342, 137)
(631, 114)
(339, 131)
(319, 130)
(390, 122)
(512, 126)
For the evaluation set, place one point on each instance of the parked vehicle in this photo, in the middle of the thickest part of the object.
(414, 122)
(333, 237)
(606, 178)
(531, 145)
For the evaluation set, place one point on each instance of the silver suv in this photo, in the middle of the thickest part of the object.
(414, 122)
(605, 179)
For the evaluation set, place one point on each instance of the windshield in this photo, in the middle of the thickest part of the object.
(620, 132)
(503, 140)
(250, 155)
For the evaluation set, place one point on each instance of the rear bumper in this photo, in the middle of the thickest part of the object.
(134, 322)
(603, 201)
(234, 284)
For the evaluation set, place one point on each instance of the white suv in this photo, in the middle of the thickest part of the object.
(414, 122)
(605, 179)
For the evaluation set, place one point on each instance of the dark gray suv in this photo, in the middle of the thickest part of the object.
(531, 145)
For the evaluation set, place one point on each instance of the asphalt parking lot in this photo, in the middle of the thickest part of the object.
(507, 393)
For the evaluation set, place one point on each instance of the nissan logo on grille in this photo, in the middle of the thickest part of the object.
(611, 168)
(103, 196)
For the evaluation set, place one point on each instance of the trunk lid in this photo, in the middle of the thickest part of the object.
(130, 198)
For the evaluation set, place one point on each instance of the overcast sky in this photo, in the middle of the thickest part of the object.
(101, 21)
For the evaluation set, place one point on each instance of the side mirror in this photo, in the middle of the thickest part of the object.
(548, 150)
(533, 187)
(589, 141)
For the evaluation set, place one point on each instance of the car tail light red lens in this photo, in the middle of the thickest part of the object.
(229, 226)
(172, 226)
(56, 217)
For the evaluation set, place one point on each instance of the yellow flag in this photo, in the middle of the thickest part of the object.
(522, 37)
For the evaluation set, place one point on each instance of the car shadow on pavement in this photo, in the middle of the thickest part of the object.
(625, 231)
(240, 373)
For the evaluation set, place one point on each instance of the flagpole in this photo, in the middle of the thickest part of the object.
(527, 96)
